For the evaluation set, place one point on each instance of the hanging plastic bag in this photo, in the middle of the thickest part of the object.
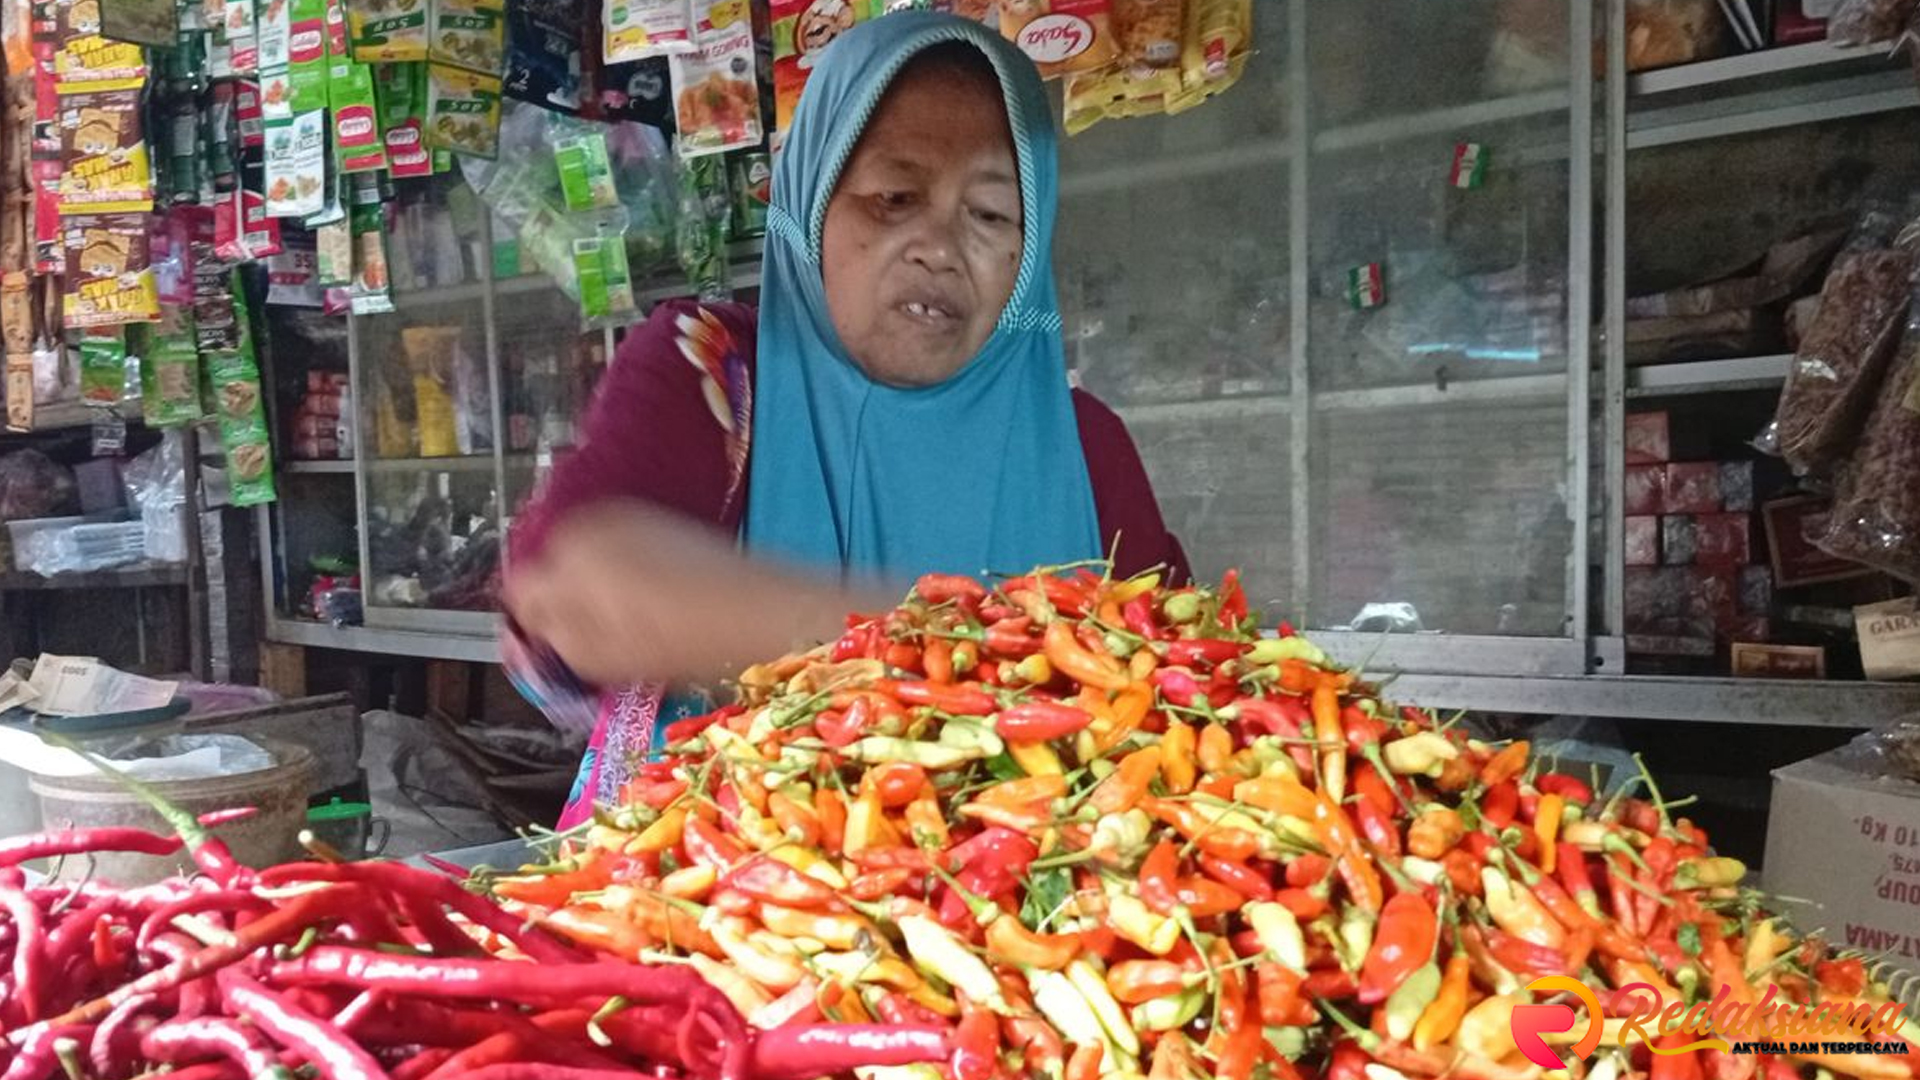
(1864, 22)
(1876, 510)
(1841, 363)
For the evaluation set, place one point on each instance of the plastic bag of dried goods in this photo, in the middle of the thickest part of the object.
(1876, 509)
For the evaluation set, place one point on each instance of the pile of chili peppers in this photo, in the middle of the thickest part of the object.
(353, 971)
(1102, 828)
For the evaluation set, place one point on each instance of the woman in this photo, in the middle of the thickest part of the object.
(901, 394)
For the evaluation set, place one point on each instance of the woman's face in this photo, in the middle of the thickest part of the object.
(922, 237)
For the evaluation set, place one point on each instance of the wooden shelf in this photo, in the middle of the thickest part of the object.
(137, 577)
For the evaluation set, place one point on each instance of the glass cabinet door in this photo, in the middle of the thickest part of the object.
(429, 418)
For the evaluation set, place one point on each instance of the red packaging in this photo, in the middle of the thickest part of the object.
(1693, 487)
(1791, 26)
(1751, 628)
(1791, 525)
(1713, 592)
(1722, 539)
(1648, 440)
(1643, 540)
(1646, 489)
(1676, 539)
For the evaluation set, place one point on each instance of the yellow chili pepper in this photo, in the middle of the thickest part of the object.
(1216, 750)
(690, 882)
(1132, 919)
(1709, 873)
(1517, 911)
(1177, 768)
(664, 833)
(811, 863)
(1486, 1031)
(746, 997)
(1442, 1018)
(1034, 670)
(767, 960)
(925, 823)
(1036, 758)
(833, 931)
(865, 818)
(1328, 733)
(1128, 783)
(1546, 826)
(1135, 586)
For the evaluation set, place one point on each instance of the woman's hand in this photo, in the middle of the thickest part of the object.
(629, 592)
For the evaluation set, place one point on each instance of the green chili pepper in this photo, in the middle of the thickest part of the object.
(1410, 999)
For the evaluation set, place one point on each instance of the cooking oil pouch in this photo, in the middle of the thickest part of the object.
(586, 175)
(469, 34)
(169, 368)
(103, 365)
(463, 111)
(306, 57)
(387, 31)
(357, 143)
(372, 280)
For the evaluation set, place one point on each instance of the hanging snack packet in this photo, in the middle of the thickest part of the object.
(1150, 31)
(333, 253)
(606, 284)
(586, 176)
(103, 365)
(371, 277)
(169, 368)
(273, 100)
(108, 280)
(242, 38)
(1061, 36)
(296, 165)
(463, 111)
(103, 153)
(82, 56)
(716, 97)
(802, 29)
(401, 92)
(468, 34)
(357, 142)
(387, 31)
(1222, 29)
(546, 54)
(247, 118)
(636, 29)
(243, 420)
(306, 59)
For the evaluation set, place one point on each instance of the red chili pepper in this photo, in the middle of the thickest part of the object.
(1238, 876)
(1378, 828)
(1524, 958)
(1012, 637)
(1662, 860)
(959, 700)
(1361, 729)
(1137, 614)
(336, 1056)
(1233, 600)
(1348, 1062)
(1304, 905)
(52, 845)
(1569, 788)
(896, 782)
(1676, 1066)
(1479, 844)
(707, 845)
(772, 882)
(1843, 978)
(1203, 898)
(1159, 878)
(1202, 652)
(1372, 789)
(1242, 1052)
(941, 588)
(28, 950)
(1031, 721)
(1640, 815)
(1500, 805)
(976, 1045)
(1181, 689)
(1332, 984)
(1278, 990)
(1403, 941)
(1304, 871)
(682, 730)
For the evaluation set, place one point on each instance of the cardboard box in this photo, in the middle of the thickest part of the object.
(1722, 540)
(1643, 540)
(1752, 661)
(1756, 590)
(1693, 487)
(1677, 540)
(1791, 525)
(1648, 441)
(1646, 489)
(1847, 838)
(1890, 638)
(1736, 485)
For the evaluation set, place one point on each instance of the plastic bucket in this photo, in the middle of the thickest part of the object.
(278, 794)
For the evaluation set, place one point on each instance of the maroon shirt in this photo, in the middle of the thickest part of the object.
(671, 420)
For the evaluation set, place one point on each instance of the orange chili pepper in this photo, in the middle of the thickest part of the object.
(1085, 1062)
(1332, 740)
(1506, 764)
(1135, 981)
(1011, 942)
(1225, 841)
(831, 809)
(1128, 710)
(875, 884)
(1442, 1016)
(799, 823)
(926, 823)
(1177, 766)
(1216, 749)
(1074, 660)
(1023, 791)
(1128, 782)
(936, 658)
(896, 782)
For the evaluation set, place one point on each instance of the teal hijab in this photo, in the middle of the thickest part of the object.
(981, 472)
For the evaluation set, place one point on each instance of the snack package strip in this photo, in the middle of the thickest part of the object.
(1838, 370)
(169, 368)
(235, 378)
(716, 95)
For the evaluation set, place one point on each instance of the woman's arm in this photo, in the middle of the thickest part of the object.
(624, 564)
(626, 591)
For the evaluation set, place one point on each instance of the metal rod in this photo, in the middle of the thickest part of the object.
(1579, 310)
(494, 380)
(1300, 296)
(365, 424)
(1613, 410)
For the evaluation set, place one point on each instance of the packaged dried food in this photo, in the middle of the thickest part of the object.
(103, 365)
(1662, 33)
(296, 165)
(306, 81)
(586, 173)
(387, 31)
(103, 153)
(169, 368)
(463, 111)
(357, 143)
(600, 272)
(82, 56)
(108, 280)
(1061, 36)
(1150, 31)
(371, 281)
(235, 378)
(1864, 22)
(1876, 506)
(636, 29)
(716, 96)
(400, 91)
(1840, 365)
(468, 34)
(242, 38)
(802, 29)
(1220, 32)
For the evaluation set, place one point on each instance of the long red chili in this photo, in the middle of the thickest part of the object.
(1202, 652)
(940, 588)
(1159, 878)
(958, 700)
(29, 957)
(394, 877)
(186, 1040)
(50, 845)
(1238, 876)
(116, 1042)
(336, 1056)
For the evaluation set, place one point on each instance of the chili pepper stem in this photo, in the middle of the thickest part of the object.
(1371, 752)
(67, 1053)
(1071, 858)
(1653, 791)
